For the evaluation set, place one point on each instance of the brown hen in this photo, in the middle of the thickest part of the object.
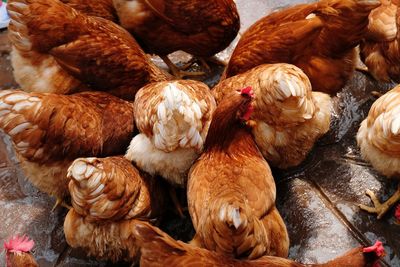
(288, 117)
(231, 191)
(379, 142)
(108, 196)
(159, 249)
(49, 131)
(302, 35)
(201, 28)
(380, 48)
(60, 50)
(99, 8)
(173, 118)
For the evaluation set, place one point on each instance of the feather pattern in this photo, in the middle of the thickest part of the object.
(49, 131)
(302, 35)
(380, 49)
(108, 196)
(379, 136)
(174, 118)
(201, 28)
(288, 117)
(231, 191)
(111, 189)
(158, 249)
(57, 43)
(99, 8)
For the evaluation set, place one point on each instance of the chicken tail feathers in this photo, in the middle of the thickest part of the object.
(156, 246)
(236, 230)
(17, 109)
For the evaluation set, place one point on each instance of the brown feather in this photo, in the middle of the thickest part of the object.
(93, 50)
(201, 28)
(302, 35)
(99, 8)
(379, 50)
(288, 117)
(109, 195)
(158, 249)
(49, 131)
(231, 189)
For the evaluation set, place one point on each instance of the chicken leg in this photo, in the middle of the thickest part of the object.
(380, 208)
(203, 62)
(61, 202)
(178, 73)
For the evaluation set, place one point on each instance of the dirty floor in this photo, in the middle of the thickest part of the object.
(318, 200)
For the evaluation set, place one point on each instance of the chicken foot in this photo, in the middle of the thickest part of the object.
(177, 72)
(203, 62)
(380, 208)
(61, 202)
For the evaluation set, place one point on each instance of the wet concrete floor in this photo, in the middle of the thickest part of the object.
(318, 200)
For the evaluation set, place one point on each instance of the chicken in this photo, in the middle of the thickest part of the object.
(18, 252)
(49, 131)
(379, 50)
(302, 35)
(231, 191)
(173, 119)
(288, 117)
(99, 8)
(159, 249)
(109, 195)
(379, 140)
(200, 28)
(59, 50)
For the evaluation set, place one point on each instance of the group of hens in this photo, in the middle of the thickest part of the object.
(100, 127)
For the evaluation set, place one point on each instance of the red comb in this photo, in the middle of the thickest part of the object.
(19, 244)
(247, 91)
(397, 213)
(377, 248)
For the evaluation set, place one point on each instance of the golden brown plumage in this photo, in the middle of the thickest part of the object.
(158, 249)
(58, 49)
(380, 48)
(302, 35)
(231, 191)
(288, 117)
(99, 8)
(49, 131)
(200, 28)
(379, 142)
(108, 196)
(173, 118)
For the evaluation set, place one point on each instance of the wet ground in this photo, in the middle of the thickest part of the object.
(317, 200)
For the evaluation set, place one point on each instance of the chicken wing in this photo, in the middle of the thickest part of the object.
(60, 50)
(49, 131)
(109, 196)
(200, 28)
(302, 35)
